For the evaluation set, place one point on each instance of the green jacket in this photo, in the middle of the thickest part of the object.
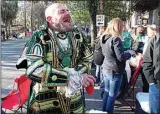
(126, 39)
(45, 69)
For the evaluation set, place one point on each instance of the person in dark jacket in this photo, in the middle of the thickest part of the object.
(138, 46)
(98, 67)
(138, 38)
(151, 69)
(114, 62)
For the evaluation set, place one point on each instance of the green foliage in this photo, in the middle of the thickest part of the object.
(81, 17)
(82, 11)
(77, 5)
(79, 11)
(38, 13)
(8, 11)
(114, 9)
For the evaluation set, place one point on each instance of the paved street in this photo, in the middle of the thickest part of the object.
(12, 49)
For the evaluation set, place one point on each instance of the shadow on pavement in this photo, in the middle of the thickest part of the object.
(5, 92)
(95, 102)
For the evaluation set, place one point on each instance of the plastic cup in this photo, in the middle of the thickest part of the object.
(90, 89)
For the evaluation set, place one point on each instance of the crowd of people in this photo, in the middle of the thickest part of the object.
(59, 63)
(2, 35)
(123, 49)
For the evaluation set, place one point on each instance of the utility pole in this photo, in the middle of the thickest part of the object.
(101, 12)
(158, 13)
(101, 7)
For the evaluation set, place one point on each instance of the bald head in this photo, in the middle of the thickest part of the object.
(58, 17)
(52, 8)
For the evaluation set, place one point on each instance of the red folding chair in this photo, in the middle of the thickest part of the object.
(16, 99)
(131, 85)
(134, 77)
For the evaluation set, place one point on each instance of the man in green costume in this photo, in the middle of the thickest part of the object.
(57, 60)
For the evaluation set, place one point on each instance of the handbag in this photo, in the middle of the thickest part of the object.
(98, 56)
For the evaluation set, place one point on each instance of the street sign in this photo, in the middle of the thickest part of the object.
(100, 20)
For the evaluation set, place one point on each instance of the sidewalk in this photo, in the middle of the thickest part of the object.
(95, 102)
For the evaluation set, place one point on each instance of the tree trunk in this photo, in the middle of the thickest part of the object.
(93, 12)
(25, 27)
(44, 18)
(38, 22)
(6, 32)
(31, 15)
(9, 28)
(46, 2)
(93, 31)
(6, 29)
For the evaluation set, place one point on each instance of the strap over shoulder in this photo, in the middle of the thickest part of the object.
(105, 37)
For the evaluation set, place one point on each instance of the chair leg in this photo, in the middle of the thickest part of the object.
(130, 92)
(83, 96)
(25, 107)
(133, 98)
(128, 104)
(16, 110)
(21, 110)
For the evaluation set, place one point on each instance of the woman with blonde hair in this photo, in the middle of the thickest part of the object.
(114, 62)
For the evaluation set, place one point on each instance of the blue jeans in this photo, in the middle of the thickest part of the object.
(112, 85)
(154, 99)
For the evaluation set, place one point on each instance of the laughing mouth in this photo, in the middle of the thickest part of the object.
(68, 20)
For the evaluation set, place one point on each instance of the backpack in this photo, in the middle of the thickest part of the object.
(98, 56)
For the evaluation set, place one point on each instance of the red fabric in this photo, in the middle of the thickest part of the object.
(11, 100)
(17, 97)
(136, 73)
(28, 33)
(23, 87)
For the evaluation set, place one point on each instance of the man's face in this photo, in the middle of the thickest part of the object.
(124, 29)
(140, 30)
(61, 19)
(150, 32)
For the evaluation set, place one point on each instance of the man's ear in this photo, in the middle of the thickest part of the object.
(49, 19)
